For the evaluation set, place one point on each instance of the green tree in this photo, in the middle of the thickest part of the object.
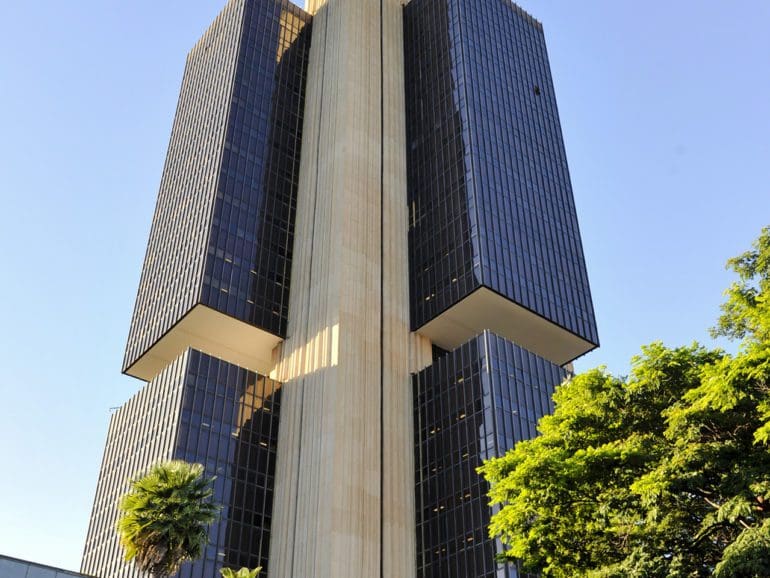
(242, 573)
(663, 473)
(164, 517)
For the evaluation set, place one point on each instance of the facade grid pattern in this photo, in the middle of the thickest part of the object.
(248, 263)
(172, 275)
(489, 186)
(222, 234)
(141, 433)
(470, 405)
(201, 410)
(443, 269)
(229, 423)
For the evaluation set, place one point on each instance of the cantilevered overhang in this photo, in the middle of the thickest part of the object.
(215, 334)
(486, 309)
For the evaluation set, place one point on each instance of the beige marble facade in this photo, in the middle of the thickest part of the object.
(344, 502)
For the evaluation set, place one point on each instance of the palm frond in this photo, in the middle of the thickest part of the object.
(164, 517)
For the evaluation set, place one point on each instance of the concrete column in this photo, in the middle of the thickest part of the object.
(344, 504)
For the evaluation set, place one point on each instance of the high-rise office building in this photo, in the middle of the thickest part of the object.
(364, 276)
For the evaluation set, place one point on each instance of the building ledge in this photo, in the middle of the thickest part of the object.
(16, 568)
(486, 309)
(215, 334)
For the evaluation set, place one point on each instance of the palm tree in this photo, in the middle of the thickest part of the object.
(242, 573)
(164, 517)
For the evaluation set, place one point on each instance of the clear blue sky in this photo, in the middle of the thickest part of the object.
(666, 113)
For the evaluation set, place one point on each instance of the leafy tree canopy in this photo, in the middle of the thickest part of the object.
(242, 573)
(663, 473)
(164, 517)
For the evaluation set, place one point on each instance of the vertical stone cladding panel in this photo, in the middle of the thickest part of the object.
(201, 410)
(472, 404)
(342, 483)
(398, 522)
(172, 276)
(489, 188)
(333, 521)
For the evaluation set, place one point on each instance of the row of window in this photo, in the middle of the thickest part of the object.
(471, 404)
(487, 174)
(241, 200)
